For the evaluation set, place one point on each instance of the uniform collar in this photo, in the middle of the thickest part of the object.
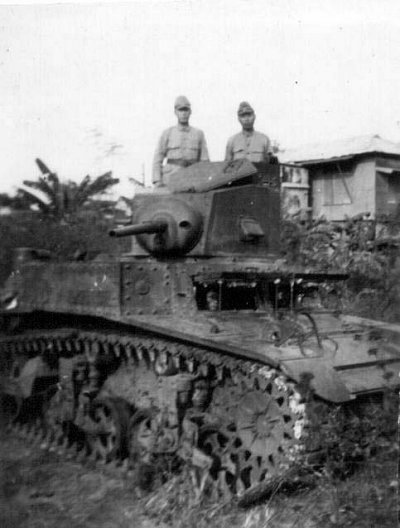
(183, 128)
(247, 133)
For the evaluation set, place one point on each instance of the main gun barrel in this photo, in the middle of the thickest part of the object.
(138, 229)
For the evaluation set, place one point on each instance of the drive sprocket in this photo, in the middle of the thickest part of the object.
(258, 424)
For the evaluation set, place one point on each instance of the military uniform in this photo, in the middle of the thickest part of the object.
(248, 143)
(254, 146)
(179, 146)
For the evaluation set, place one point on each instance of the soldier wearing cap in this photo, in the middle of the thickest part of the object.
(179, 146)
(248, 143)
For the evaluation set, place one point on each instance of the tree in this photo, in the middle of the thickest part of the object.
(19, 201)
(60, 199)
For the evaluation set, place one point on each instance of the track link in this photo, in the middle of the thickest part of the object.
(127, 400)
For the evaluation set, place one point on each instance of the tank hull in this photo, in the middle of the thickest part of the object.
(200, 346)
(357, 355)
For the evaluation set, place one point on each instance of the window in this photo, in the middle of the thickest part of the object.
(337, 185)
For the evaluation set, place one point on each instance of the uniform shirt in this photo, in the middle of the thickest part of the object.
(251, 145)
(178, 143)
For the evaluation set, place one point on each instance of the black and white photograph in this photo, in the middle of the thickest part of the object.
(199, 264)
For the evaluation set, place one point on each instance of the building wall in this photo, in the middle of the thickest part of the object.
(339, 192)
(387, 185)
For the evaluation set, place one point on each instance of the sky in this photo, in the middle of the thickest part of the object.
(89, 87)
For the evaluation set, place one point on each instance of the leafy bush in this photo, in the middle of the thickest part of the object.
(363, 248)
(348, 436)
(83, 234)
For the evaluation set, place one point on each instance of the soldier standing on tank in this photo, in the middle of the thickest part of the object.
(248, 143)
(179, 146)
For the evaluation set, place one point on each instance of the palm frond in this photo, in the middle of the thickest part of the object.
(41, 185)
(49, 176)
(81, 191)
(97, 186)
(62, 198)
(36, 197)
(42, 167)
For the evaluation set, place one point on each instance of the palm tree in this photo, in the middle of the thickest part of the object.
(60, 199)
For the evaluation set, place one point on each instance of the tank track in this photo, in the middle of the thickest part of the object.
(129, 401)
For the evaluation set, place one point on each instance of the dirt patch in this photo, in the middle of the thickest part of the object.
(38, 489)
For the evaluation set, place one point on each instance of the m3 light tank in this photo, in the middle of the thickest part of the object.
(199, 345)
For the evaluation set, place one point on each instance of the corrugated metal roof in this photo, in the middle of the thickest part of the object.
(342, 148)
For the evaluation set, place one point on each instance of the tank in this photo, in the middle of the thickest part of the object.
(200, 346)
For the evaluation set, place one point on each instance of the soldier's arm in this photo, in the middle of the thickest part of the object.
(203, 148)
(159, 155)
(229, 150)
(267, 148)
(270, 155)
(270, 149)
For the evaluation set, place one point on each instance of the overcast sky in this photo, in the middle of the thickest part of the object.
(90, 87)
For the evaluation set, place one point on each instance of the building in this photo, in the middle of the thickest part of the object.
(295, 188)
(351, 176)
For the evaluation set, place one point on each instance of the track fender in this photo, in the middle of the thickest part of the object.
(324, 379)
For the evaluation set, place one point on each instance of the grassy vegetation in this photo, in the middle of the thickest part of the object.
(367, 499)
(356, 485)
(38, 489)
(367, 250)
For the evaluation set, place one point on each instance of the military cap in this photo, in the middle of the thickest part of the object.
(245, 108)
(182, 102)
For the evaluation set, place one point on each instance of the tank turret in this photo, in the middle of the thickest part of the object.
(210, 209)
(166, 227)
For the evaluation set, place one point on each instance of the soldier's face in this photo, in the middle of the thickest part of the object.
(183, 115)
(247, 120)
